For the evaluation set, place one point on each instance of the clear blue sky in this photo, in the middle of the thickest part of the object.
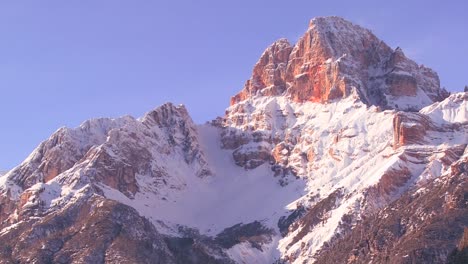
(62, 62)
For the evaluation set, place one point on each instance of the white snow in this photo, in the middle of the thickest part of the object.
(453, 109)
(352, 147)
(341, 144)
(10, 227)
(3, 179)
(243, 253)
(233, 195)
(410, 102)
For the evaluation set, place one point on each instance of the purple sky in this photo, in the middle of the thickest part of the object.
(62, 62)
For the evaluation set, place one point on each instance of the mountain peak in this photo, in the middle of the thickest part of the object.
(336, 57)
(268, 73)
(333, 23)
(165, 114)
(341, 37)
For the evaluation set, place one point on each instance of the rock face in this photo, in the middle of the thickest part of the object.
(410, 128)
(268, 77)
(105, 151)
(338, 150)
(335, 57)
(460, 254)
(414, 228)
(97, 230)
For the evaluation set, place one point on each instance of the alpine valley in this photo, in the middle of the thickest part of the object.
(339, 149)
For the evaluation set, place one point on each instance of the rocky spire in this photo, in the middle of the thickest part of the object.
(335, 57)
(269, 72)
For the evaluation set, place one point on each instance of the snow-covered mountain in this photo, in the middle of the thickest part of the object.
(338, 149)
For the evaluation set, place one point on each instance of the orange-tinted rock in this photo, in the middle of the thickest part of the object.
(24, 198)
(311, 76)
(392, 179)
(117, 175)
(268, 73)
(409, 128)
(280, 153)
(450, 155)
(335, 57)
(310, 155)
(50, 173)
(384, 190)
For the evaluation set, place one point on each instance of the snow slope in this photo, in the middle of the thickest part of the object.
(350, 148)
(452, 110)
(233, 195)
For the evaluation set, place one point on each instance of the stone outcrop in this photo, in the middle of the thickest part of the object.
(410, 128)
(268, 76)
(251, 158)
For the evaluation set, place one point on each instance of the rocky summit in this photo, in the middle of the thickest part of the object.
(336, 58)
(339, 149)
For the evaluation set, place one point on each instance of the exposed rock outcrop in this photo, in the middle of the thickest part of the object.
(335, 57)
(410, 128)
(268, 76)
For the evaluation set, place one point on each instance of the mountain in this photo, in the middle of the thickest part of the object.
(336, 58)
(338, 149)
